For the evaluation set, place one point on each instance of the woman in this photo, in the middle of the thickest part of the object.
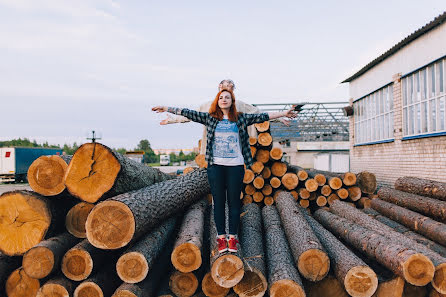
(227, 150)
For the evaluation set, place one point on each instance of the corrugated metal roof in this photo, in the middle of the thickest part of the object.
(426, 28)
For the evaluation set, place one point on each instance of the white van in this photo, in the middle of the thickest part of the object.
(164, 160)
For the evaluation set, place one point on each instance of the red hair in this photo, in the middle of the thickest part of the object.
(216, 111)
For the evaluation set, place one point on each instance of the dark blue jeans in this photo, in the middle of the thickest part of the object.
(226, 182)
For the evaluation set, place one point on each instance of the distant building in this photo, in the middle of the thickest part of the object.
(135, 156)
(399, 123)
(175, 151)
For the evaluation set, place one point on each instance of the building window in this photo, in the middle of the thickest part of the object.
(285, 143)
(374, 116)
(424, 100)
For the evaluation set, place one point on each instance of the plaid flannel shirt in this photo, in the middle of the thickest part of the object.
(244, 120)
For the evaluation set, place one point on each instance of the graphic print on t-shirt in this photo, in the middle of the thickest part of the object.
(226, 140)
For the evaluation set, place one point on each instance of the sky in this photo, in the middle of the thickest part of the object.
(69, 67)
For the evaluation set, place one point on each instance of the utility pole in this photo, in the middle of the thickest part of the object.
(93, 138)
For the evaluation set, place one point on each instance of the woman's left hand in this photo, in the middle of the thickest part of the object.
(291, 113)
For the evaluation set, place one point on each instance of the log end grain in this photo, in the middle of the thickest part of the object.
(76, 218)
(304, 194)
(267, 190)
(321, 201)
(286, 288)
(132, 267)
(253, 284)
(252, 140)
(304, 203)
(257, 167)
(262, 127)
(247, 199)
(349, 179)
(418, 270)
(326, 190)
(290, 181)
(77, 264)
(257, 197)
(258, 182)
(92, 172)
(302, 175)
(88, 289)
(248, 177)
(342, 193)
(211, 288)
(313, 264)
(320, 179)
(439, 280)
(275, 182)
(186, 257)
(311, 185)
(354, 193)
(124, 293)
(276, 153)
(183, 284)
(391, 288)
(38, 262)
(102, 221)
(46, 175)
(201, 161)
(25, 219)
(268, 200)
(188, 170)
(52, 290)
(266, 172)
(361, 281)
(265, 139)
(279, 169)
(262, 156)
(20, 284)
(367, 182)
(227, 270)
(335, 183)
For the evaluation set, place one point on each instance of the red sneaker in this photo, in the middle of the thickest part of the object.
(232, 243)
(222, 245)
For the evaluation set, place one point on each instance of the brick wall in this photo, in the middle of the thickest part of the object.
(424, 157)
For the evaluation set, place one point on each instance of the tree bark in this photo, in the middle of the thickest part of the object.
(254, 282)
(439, 249)
(283, 278)
(57, 286)
(355, 215)
(186, 255)
(428, 206)
(355, 275)
(76, 219)
(135, 263)
(7, 266)
(413, 220)
(27, 218)
(309, 254)
(137, 212)
(19, 284)
(46, 175)
(420, 186)
(45, 257)
(414, 267)
(97, 172)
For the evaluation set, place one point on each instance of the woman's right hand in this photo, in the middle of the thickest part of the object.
(159, 109)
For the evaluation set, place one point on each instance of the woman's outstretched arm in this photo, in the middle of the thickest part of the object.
(291, 113)
(196, 116)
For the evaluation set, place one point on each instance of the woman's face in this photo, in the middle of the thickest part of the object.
(225, 100)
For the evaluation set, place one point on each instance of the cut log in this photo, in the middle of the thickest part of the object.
(265, 139)
(311, 185)
(414, 291)
(276, 153)
(46, 175)
(354, 193)
(406, 231)
(19, 284)
(326, 190)
(55, 287)
(335, 183)
(101, 284)
(267, 190)
(302, 174)
(262, 156)
(390, 288)
(277, 194)
(355, 275)
(257, 167)
(357, 216)
(364, 202)
(309, 254)
(183, 284)
(253, 151)
(266, 172)
(275, 182)
(45, 257)
(200, 160)
(304, 203)
(278, 169)
(211, 288)
(252, 140)
(186, 255)
(135, 263)
(262, 127)
(332, 198)
(414, 267)
(366, 182)
(96, 172)
(328, 287)
(7, 266)
(83, 259)
(290, 181)
(250, 189)
(258, 182)
(257, 197)
(420, 186)
(304, 194)
(188, 170)
(428, 206)
(318, 177)
(283, 278)
(413, 220)
(249, 176)
(76, 218)
(349, 179)
(268, 200)
(139, 211)
(254, 283)
(247, 199)
(321, 201)
(434, 293)
(27, 217)
(295, 194)
(342, 193)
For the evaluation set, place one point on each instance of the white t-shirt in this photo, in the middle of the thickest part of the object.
(227, 149)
